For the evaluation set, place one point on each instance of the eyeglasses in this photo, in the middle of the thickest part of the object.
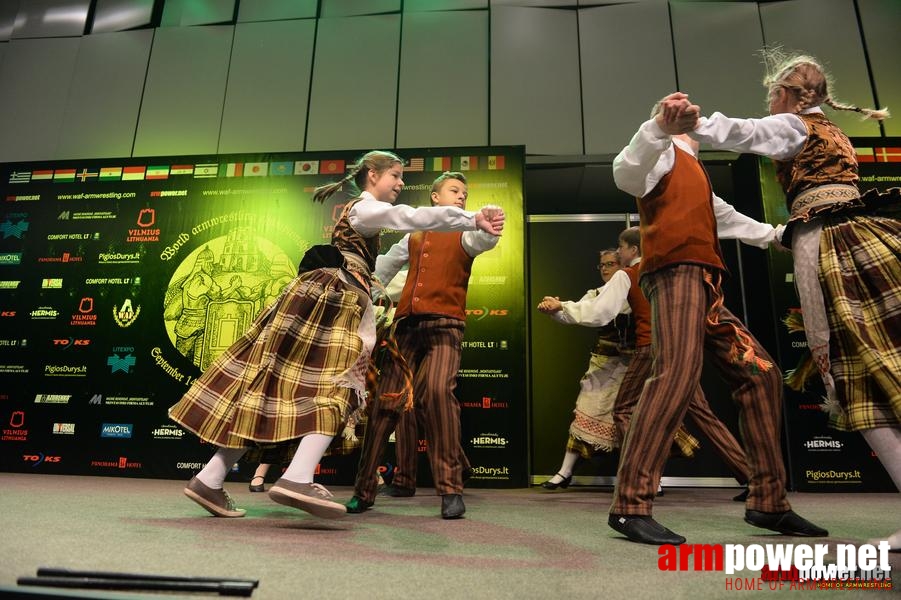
(608, 264)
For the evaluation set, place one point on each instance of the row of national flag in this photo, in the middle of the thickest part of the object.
(244, 169)
(196, 170)
(871, 155)
(455, 163)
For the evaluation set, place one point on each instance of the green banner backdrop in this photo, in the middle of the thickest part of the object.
(122, 279)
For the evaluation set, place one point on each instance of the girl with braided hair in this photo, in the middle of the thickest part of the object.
(845, 245)
(299, 371)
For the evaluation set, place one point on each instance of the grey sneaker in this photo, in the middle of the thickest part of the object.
(309, 497)
(217, 502)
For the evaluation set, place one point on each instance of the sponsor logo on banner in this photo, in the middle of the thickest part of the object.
(52, 398)
(10, 259)
(92, 215)
(66, 343)
(823, 443)
(118, 258)
(65, 371)
(113, 281)
(64, 428)
(121, 463)
(125, 315)
(65, 257)
(832, 476)
(486, 402)
(478, 314)
(488, 440)
(7, 314)
(13, 369)
(79, 236)
(145, 230)
(23, 197)
(8, 284)
(483, 374)
(85, 316)
(52, 283)
(13, 342)
(14, 226)
(121, 360)
(122, 400)
(189, 466)
(40, 458)
(485, 345)
(320, 470)
(492, 472)
(167, 431)
(116, 430)
(15, 432)
(44, 313)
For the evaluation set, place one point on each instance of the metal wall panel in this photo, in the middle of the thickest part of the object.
(881, 25)
(50, 18)
(185, 13)
(354, 97)
(184, 93)
(121, 15)
(535, 87)
(442, 5)
(8, 11)
(35, 76)
(350, 8)
(717, 56)
(105, 95)
(268, 87)
(443, 97)
(841, 50)
(271, 10)
(627, 65)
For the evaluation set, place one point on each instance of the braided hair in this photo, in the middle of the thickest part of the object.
(375, 160)
(807, 82)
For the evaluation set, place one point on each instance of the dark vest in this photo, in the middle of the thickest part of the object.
(438, 277)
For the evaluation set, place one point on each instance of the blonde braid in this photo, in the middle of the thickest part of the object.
(866, 113)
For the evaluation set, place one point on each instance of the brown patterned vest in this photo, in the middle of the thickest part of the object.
(438, 276)
(826, 158)
(677, 221)
(346, 239)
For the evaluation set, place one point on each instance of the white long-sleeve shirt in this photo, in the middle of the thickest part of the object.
(650, 155)
(598, 306)
(779, 136)
(387, 265)
(369, 216)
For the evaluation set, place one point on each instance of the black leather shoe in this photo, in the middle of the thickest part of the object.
(452, 506)
(548, 485)
(398, 491)
(742, 496)
(256, 488)
(786, 523)
(357, 505)
(644, 530)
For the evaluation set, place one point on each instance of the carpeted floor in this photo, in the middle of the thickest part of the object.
(521, 544)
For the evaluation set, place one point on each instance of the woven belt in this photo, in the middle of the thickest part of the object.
(809, 201)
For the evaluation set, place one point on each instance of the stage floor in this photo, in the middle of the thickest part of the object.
(525, 543)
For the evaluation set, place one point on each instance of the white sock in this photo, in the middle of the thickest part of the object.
(308, 455)
(886, 443)
(213, 474)
(566, 469)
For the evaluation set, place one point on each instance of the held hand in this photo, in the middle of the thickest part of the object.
(549, 305)
(677, 115)
(490, 220)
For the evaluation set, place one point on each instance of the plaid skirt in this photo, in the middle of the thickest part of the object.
(294, 372)
(860, 271)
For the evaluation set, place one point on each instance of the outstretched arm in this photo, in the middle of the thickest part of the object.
(593, 310)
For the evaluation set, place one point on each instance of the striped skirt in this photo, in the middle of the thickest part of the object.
(299, 369)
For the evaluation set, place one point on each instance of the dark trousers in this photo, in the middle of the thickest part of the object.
(431, 347)
(680, 300)
(724, 443)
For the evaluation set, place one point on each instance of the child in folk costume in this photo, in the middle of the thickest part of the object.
(300, 370)
(845, 245)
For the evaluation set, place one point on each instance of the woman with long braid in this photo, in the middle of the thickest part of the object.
(300, 370)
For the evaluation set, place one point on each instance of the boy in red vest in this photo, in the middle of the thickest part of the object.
(430, 318)
(680, 275)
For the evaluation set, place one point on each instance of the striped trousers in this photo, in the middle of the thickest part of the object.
(431, 347)
(680, 300)
(722, 440)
